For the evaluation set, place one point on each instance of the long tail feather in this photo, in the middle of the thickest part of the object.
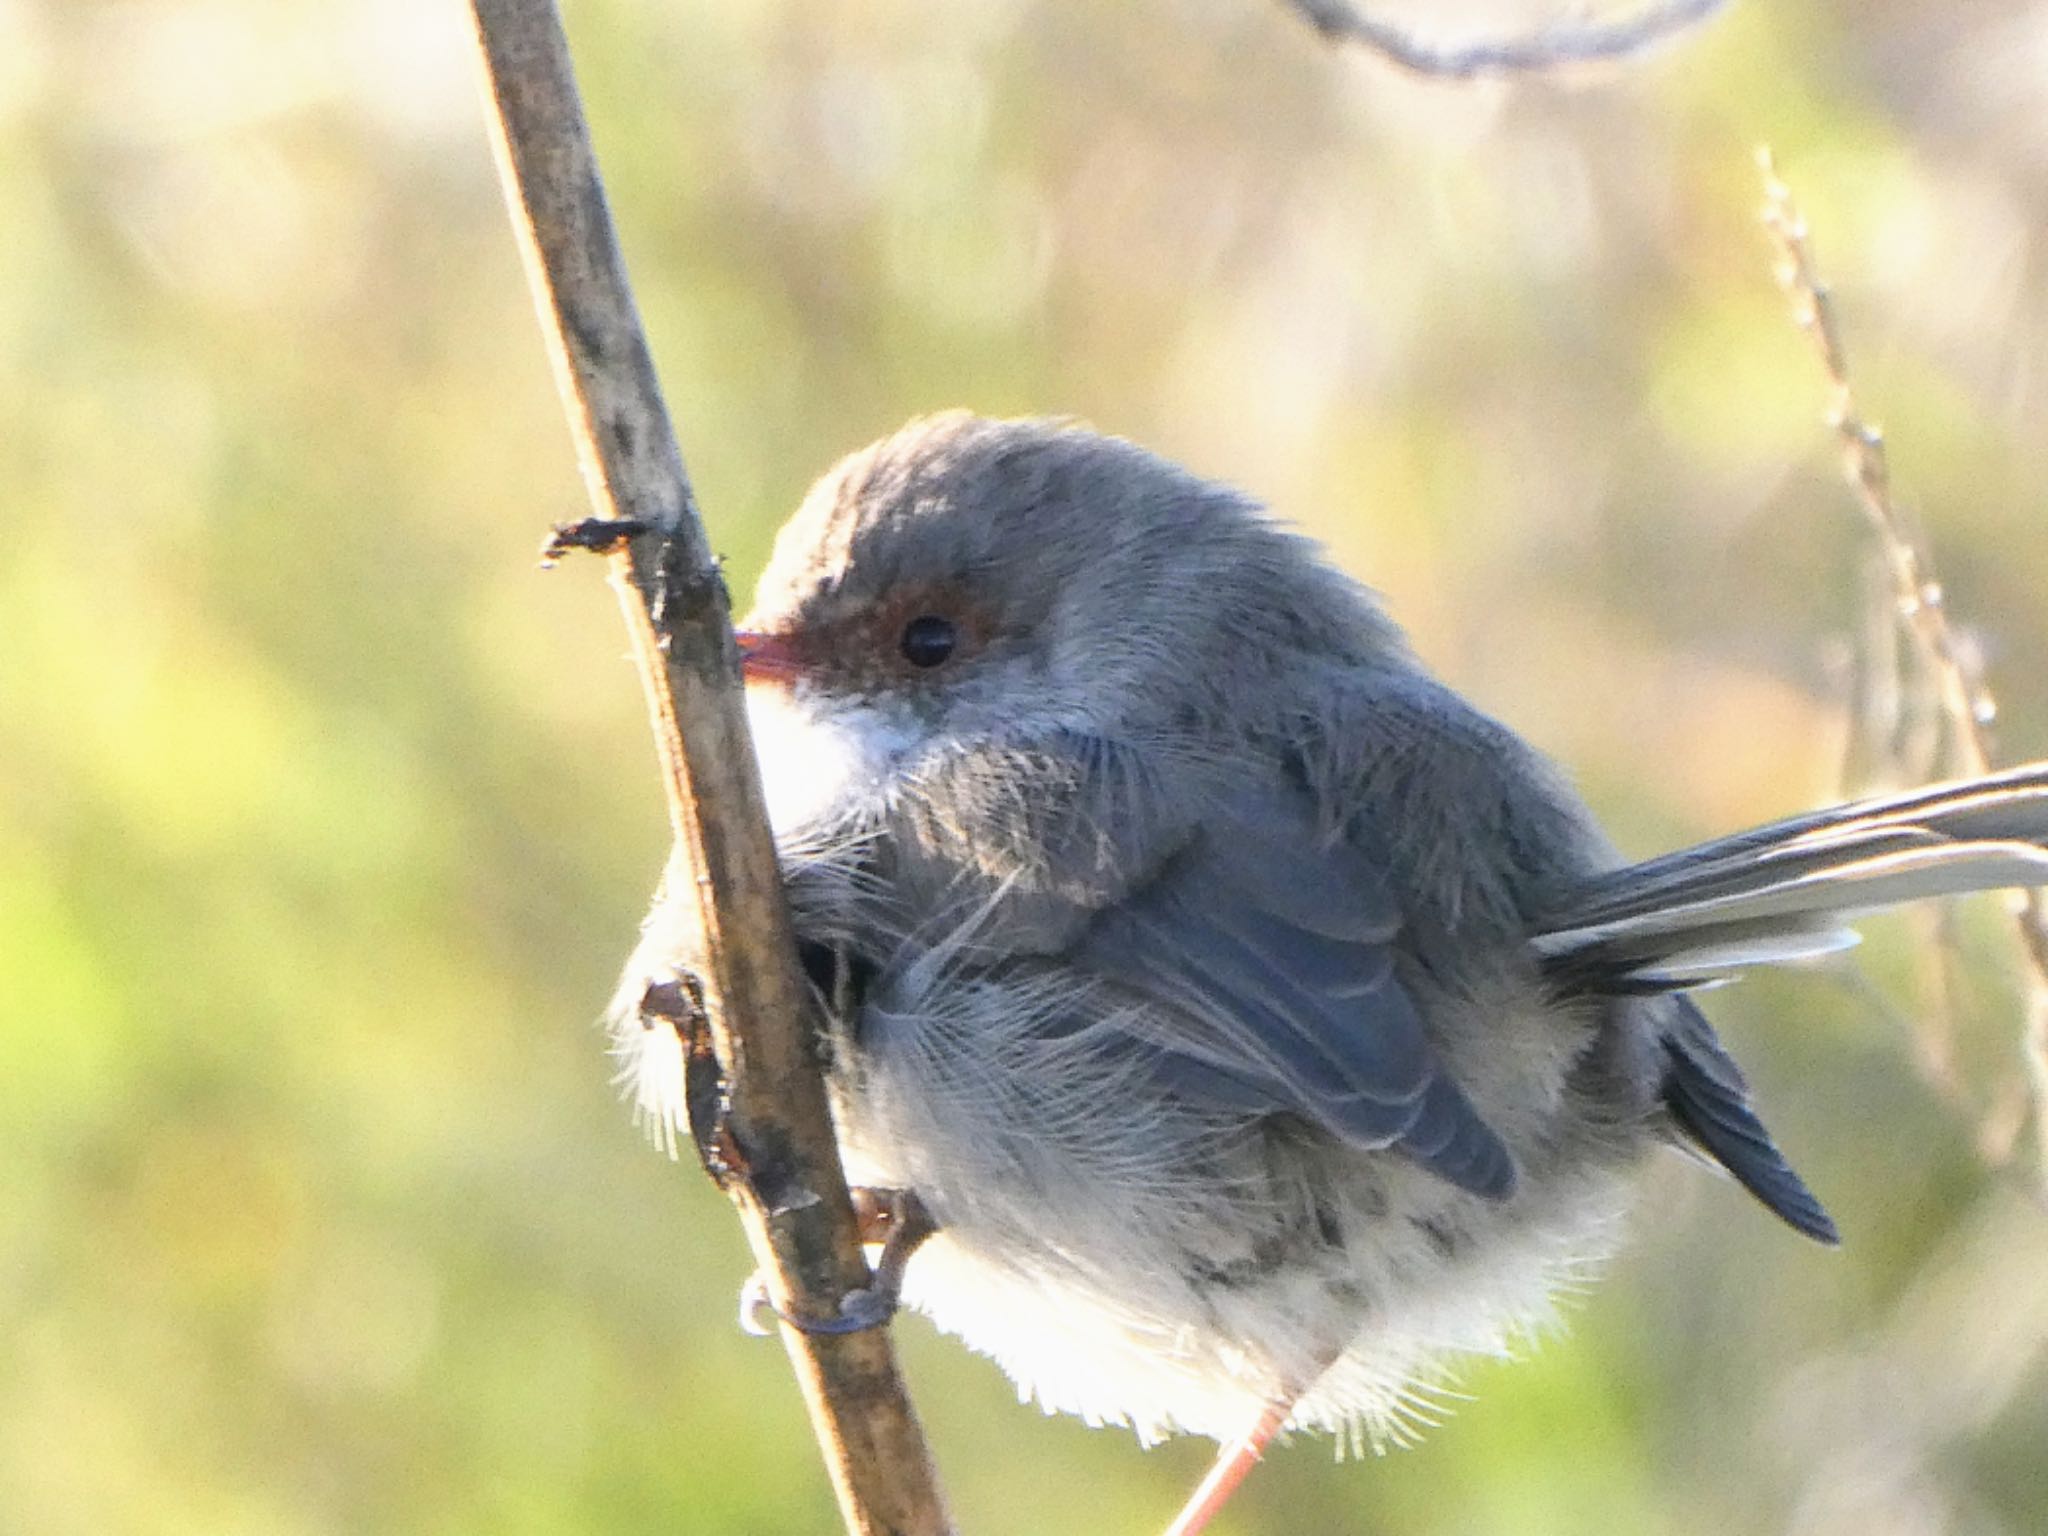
(1781, 891)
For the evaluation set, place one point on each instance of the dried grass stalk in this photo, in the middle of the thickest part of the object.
(1915, 648)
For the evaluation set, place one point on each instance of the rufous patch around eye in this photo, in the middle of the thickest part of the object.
(888, 621)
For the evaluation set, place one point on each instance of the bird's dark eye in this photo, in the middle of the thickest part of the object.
(928, 640)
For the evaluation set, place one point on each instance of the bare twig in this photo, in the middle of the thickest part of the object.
(1920, 616)
(1554, 47)
(787, 1183)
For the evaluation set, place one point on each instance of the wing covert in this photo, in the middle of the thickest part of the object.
(1269, 951)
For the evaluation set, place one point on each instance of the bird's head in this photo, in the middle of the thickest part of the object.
(968, 577)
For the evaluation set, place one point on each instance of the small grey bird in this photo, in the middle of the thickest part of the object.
(1259, 1023)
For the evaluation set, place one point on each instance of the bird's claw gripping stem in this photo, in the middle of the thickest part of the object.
(894, 1218)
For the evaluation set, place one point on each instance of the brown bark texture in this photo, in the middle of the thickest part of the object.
(775, 1127)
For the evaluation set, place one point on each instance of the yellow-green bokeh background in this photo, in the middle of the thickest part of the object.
(325, 817)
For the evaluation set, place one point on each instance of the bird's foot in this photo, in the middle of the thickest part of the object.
(894, 1218)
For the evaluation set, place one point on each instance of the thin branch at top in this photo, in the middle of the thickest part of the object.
(1553, 47)
(778, 1151)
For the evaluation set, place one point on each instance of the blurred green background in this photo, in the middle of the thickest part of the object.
(326, 818)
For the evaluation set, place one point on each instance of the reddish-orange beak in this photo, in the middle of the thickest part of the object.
(767, 658)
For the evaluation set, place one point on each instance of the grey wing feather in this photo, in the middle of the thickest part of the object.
(1780, 892)
(1270, 953)
(1708, 1100)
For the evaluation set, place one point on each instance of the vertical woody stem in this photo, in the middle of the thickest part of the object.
(789, 1189)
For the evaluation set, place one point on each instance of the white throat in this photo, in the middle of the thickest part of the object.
(818, 755)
